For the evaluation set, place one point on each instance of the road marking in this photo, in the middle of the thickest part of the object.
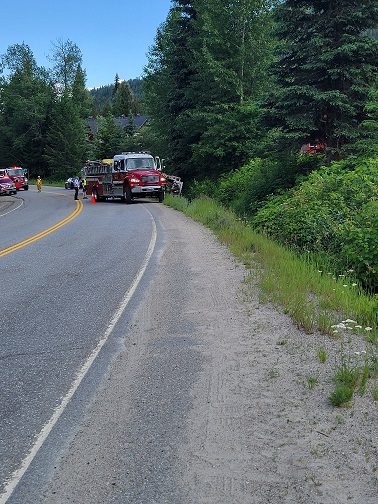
(13, 209)
(18, 473)
(42, 234)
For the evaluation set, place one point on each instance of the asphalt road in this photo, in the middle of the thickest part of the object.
(61, 297)
(138, 365)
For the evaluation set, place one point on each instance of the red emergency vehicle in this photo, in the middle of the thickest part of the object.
(127, 176)
(317, 147)
(17, 175)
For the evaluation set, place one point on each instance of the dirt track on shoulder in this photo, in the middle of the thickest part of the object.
(208, 401)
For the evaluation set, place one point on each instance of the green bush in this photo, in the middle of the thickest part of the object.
(334, 211)
(359, 245)
(244, 190)
(197, 188)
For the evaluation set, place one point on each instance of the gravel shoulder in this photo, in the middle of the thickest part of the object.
(208, 400)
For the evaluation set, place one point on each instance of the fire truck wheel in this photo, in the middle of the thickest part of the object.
(127, 195)
(96, 196)
(161, 197)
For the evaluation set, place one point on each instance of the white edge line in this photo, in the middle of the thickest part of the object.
(42, 436)
(13, 209)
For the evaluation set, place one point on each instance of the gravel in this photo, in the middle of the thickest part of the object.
(208, 400)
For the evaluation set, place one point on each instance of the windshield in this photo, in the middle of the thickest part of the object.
(140, 164)
(137, 163)
(15, 171)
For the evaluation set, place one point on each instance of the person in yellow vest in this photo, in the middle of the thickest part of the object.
(85, 188)
(39, 183)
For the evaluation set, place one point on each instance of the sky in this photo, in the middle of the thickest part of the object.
(113, 36)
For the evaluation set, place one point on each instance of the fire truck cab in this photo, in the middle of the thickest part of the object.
(17, 175)
(128, 176)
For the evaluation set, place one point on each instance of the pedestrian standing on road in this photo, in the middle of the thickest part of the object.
(85, 188)
(39, 184)
(76, 187)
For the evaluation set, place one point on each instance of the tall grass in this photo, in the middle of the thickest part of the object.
(315, 298)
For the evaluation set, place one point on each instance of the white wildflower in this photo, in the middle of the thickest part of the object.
(339, 326)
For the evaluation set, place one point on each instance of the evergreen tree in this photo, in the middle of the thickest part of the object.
(109, 138)
(325, 67)
(116, 85)
(136, 86)
(232, 53)
(102, 97)
(122, 100)
(80, 95)
(233, 50)
(205, 73)
(26, 95)
(166, 83)
(66, 146)
(367, 144)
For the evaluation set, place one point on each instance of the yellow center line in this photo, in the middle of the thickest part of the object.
(42, 234)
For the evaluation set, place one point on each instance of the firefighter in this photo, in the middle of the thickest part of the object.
(39, 183)
(85, 188)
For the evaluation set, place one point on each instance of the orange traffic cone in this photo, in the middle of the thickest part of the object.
(93, 200)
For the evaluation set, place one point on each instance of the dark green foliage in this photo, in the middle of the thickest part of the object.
(42, 113)
(80, 95)
(367, 143)
(208, 72)
(66, 147)
(102, 98)
(360, 237)
(333, 211)
(25, 97)
(196, 189)
(109, 138)
(325, 66)
(229, 138)
(205, 73)
(245, 189)
(122, 100)
(136, 86)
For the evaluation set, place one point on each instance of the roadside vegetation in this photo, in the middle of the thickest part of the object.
(328, 301)
(268, 111)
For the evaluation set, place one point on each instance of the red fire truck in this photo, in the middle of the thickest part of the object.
(129, 175)
(17, 175)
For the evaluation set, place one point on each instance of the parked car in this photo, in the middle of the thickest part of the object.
(7, 186)
(69, 184)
